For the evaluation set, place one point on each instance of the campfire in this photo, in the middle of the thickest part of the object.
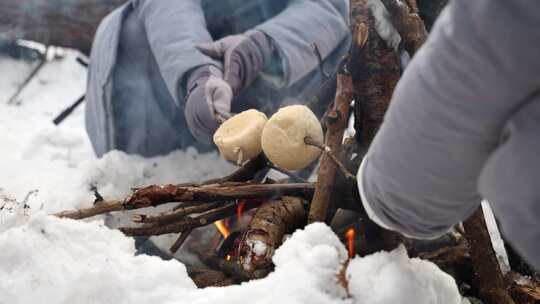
(253, 215)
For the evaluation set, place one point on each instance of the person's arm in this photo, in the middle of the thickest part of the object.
(479, 65)
(173, 29)
(300, 24)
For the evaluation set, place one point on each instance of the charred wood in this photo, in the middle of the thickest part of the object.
(266, 230)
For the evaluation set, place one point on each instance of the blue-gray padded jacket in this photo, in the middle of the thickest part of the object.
(144, 49)
(464, 124)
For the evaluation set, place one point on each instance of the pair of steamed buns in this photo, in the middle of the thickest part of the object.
(281, 138)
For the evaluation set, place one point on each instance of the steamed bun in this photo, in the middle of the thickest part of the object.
(283, 137)
(239, 138)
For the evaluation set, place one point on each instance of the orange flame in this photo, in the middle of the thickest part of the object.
(240, 209)
(350, 234)
(222, 228)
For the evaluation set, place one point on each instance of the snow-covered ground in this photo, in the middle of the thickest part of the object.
(43, 259)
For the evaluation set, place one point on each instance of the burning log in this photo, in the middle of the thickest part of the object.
(266, 230)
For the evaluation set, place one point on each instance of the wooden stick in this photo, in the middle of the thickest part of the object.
(244, 173)
(487, 272)
(410, 26)
(170, 216)
(99, 208)
(181, 239)
(157, 195)
(189, 223)
(325, 149)
(336, 122)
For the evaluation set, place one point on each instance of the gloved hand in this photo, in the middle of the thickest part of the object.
(243, 56)
(208, 102)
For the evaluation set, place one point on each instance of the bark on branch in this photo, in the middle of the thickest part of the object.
(152, 196)
(336, 122)
(408, 23)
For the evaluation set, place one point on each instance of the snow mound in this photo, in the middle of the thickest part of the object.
(392, 277)
(50, 260)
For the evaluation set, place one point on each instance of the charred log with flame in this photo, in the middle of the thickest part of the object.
(266, 230)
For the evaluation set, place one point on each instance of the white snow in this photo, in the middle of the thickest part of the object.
(383, 24)
(395, 278)
(48, 260)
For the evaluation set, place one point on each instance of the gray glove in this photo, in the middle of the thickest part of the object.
(208, 102)
(243, 56)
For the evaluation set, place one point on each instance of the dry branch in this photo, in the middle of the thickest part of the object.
(171, 216)
(98, 208)
(242, 174)
(188, 223)
(325, 149)
(411, 28)
(152, 196)
(336, 122)
(487, 271)
(375, 70)
(180, 240)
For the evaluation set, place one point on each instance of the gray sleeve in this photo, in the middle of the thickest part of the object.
(479, 65)
(173, 29)
(303, 22)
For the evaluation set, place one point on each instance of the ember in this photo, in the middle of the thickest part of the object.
(350, 235)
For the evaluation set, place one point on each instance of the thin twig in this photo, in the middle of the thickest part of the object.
(181, 239)
(26, 81)
(170, 216)
(290, 174)
(326, 149)
(98, 208)
(188, 223)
